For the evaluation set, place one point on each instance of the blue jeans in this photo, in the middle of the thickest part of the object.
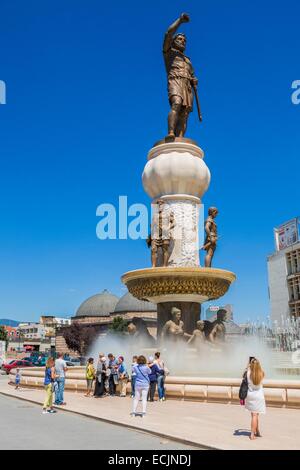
(133, 379)
(161, 386)
(59, 396)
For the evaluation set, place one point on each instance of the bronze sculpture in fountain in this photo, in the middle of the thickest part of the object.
(174, 329)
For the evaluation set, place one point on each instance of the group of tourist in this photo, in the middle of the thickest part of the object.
(146, 375)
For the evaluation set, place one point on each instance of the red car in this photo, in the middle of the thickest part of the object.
(16, 364)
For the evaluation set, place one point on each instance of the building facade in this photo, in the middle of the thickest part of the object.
(284, 280)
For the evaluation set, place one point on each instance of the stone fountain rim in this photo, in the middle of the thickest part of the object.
(180, 271)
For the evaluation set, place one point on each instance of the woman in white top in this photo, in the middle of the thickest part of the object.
(255, 400)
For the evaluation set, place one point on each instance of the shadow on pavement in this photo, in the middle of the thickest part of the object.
(241, 432)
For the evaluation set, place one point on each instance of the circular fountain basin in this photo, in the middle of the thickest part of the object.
(282, 393)
(178, 284)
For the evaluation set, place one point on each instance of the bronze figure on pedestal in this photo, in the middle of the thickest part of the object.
(181, 79)
(162, 226)
(210, 243)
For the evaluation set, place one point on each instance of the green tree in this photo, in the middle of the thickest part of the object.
(119, 325)
(3, 335)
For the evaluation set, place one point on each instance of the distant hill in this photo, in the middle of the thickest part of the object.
(6, 322)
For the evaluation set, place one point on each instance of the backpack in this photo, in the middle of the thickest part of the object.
(243, 387)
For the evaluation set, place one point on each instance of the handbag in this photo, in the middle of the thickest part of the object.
(54, 387)
(243, 387)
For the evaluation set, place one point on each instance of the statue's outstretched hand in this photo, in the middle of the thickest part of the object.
(184, 18)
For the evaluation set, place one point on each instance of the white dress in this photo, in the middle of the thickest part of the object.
(255, 400)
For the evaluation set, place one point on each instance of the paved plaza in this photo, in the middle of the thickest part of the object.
(206, 425)
(68, 431)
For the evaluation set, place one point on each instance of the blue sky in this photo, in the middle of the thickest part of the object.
(86, 100)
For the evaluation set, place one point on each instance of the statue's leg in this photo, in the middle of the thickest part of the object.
(182, 122)
(173, 117)
(154, 255)
(209, 256)
(165, 248)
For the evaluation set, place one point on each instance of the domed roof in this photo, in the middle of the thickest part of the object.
(99, 305)
(128, 303)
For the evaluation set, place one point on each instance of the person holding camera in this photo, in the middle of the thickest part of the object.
(254, 400)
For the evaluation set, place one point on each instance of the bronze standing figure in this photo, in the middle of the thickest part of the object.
(210, 243)
(161, 233)
(181, 79)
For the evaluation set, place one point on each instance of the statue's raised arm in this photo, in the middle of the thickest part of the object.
(184, 18)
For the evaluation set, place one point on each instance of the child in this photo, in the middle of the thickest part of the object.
(17, 379)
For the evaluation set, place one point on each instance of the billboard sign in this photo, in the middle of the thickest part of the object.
(287, 234)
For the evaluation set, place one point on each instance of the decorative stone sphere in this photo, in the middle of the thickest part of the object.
(176, 168)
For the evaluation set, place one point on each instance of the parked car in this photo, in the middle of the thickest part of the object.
(28, 359)
(15, 364)
(70, 364)
(75, 361)
(40, 362)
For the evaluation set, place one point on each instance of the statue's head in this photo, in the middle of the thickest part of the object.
(221, 314)
(131, 328)
(176, 313)
(179, 42)
(213, 212)
(200, 325)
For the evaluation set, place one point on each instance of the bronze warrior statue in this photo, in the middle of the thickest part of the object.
(181, 79)
(161, 233)
(210, 243)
